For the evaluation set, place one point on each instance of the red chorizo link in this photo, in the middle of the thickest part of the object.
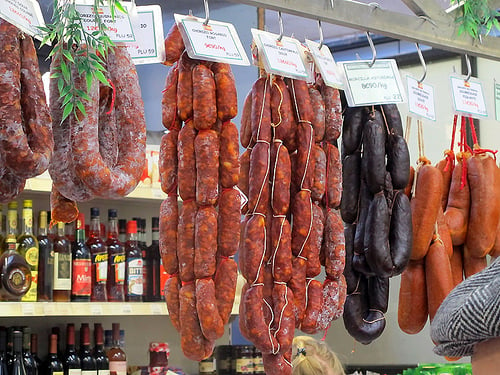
(11, 185)
(267, 296)
(252, 252)
(243, 180)
(227, 100)
(412, 307)
(330, 303)
(108, 127)
(169, 216)
(472, 264)
(314, 243)
(62, 208)
(205, 242)
(301, 101)
(319, 176)
(167, 163)
(280, 178)
(457, 268)
(261, 110)
(225, 280)
(228, 222)
(258, 191)
(242, 312)
(186, 240)
(246, 121)
(342, 296)
(169, 100)
(314, 304)
(174, 45)
(446, 171)
(185, 87)
(334, 244)
(204, 98)
(302, 216)
(186, 168)
(206, 148)
(284, 319)
(277, 364)
(281, 110)
(333, 176)
(318, 119)
(172, 287)
(333, 113)
(303, 177)
(229, 166)
(298, 286)
(206, 305)
(281, 257)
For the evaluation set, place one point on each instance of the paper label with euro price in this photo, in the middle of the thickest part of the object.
(468, 97)
(326, 64)
(421, 99)
(24, 14)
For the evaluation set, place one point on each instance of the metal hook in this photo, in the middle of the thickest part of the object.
(422, 61)
(320, 35)
(280, 20)
(469, 69)
(207, 12)
(374, 51)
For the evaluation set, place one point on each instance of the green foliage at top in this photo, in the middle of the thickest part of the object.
(476, 18)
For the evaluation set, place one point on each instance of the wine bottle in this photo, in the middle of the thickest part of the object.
(116, 355)
(3, 351)
(57, 331)
(133, 269)
(28, 360)
(17, 365)
(81, 286)
(86, 358)
(141, 243)
(45, 260)
(101, 359)
(115, 284)
(153, 262)
(34, 351)
(122, 230)
(71, 361)
(62, 266)
(27, 246)
(99, 255)
(53, 365)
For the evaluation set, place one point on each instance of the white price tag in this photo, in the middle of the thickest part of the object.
(119, 29)
(421, 99)
(468, 97)
(496, 87)
(28, 309)
(326, 64)
(149, 46)
(24, 14)
(216, 41)
(127, 309)
(284, 57)
(379, 84)
(95, 309)
(156, 308)
(48, 309)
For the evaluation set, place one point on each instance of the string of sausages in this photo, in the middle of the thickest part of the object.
(199, 162)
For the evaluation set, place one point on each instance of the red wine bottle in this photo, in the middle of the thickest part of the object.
(86, 357)
(71, 361)
(53, 365)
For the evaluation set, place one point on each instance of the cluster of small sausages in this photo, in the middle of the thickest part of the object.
(291, 173)
(377, 213)
(199, 162)
(26, 142)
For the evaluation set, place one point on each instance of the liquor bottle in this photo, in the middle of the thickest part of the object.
(57, 331)
(62, 266)
(15, 272)
(115, 284)
(133, 269)
(52, 231)
(101, 359)
(28, 360)
(153, 262)
(99, 256)
(122, 230)
(86, 358)
(81, 286)
(116, 356)
(3, 350)
(53, 365)
(17, 365)
(71, 361)
(34, 351)
(10, 346)
(141, 243)
(69, 231)
(45, 260)
(27, 246)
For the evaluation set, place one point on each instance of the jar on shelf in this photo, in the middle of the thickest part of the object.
(243, 359)
(158, 358)
(258, 364)
(207, 366)
(223, 359)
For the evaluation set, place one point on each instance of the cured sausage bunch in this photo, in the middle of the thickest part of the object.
(199, 162)
(378, 231)
(26, 142)
(291, 174)
(102, 154)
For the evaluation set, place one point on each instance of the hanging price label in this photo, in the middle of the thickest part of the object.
(147, 24)
(119, 29)
(24, 14)
(496, 87)
(379, 84)
(421, 99)
(326, 64)
(468, 97)
(216, 41)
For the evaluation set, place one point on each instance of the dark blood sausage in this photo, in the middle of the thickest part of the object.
(305, 160)
(252, 253)
(258, 191)
(446, 169)
(186, 168)
(376, 240)
(351, 177)
(174, 45)
(244, 176)
(333, 113)
(205, 242)
(260, 115)
(401, 232)
(313, 309)
(333, 176)
(119, 180)
(284, 319)
(280, 178)
(169, 99)
(225, 287)
(314, 243)
(318, 187)
(62, 208)
(281, 256)
(186, 240)
(393, 119)
(374, 136)
(169, 214)
(378, 293)
(229, 164)
(398, 161)
(172, 287)
(211, 323)
(227, 100)
(302, 216)
(281, 110)
(206, 150)
(352, 130)
(246, 122)
(412, 308)
(365, 199)
(301, 101)
(204, 98)
(185, 87)
(350, 274)
(298, 286)
(388, 189)
(360, 265)
(334, 244)
(318, 119)
(167, 163)
(228, 224)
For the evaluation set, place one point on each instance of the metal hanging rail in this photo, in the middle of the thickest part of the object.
(430, 25)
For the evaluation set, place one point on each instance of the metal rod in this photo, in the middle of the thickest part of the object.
(422, 61)
(374, 51)
(280, 20)
(207, 12)
(320, 35)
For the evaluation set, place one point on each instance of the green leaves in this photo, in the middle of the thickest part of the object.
(477, 18)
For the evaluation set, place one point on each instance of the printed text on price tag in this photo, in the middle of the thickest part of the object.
(468, 97)
(326, 64)
(119, 29)
(421, 99)
(24, 14)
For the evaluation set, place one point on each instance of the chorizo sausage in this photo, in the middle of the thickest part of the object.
(398, 161)
(333, 176)
(281, 111)
(258, 190)
(206, 150)
(62, 208)
(446, 171)
(186, 240)
(229, 165)
(457, 267)
(318, 187)
(284, 320)
(172, 287)
(472, 264)
(280, 178)
(298, 286)
(108, 128)
(301, 101)
(302, 216)
(169, 216)
(204, 98)
(211, 323)
(400, 234)
(242, 313)
(314, 243)
(334, 244)
(251, 257)
(412, 307)
(228, 224)
(167, 163)
(174, 45)
(246, 122)
(409, 186)
(281, 257)
(333, 304)
(374, 138)
(169, 117)
(351, 179)
(277, 364)
(310, 323)
(318, 119)
(333, 113)
(243, 180)
(185, 87)
(303, 178)
(225, 85)
(225, 280)
(186, 167)
(261, 110)
(205, 242)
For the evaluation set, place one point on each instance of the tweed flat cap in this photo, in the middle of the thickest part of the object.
(469, 314)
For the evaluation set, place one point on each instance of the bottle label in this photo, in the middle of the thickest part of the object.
(101, 267)
(74, 371)
(118, 263)
(31, 295)
(206, 366)
(62, 271)
(119, 367)
(134, 277)
(244, 365)
(31, 256)
(89, 372)
(144, 277)
(82, 280)
(103, 372)
(57, 373)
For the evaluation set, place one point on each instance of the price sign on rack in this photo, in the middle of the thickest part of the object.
(468, 96)
(496, 87)
(326, 64)
(421, 99)
(24, 14)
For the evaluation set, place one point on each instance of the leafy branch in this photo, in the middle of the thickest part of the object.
(477, 18)
(80, 53)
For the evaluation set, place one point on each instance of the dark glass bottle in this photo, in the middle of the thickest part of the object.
(28, 360)
(99, 256)
(133, 269)
(81, 264)
(153, 262)
(27, 246)
(52, 364)
(115, 284)
(34, 351)
(71, 361)
(46, 259)
(116, 355)
(122, 230)
(101, 359)
(86, 357)
(62, 266)
(3, 351)
(141, 243)
(17, 365)
(10, 346)
(57, 331)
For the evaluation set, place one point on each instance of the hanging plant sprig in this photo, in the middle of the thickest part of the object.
(476, 18)
(81, 53)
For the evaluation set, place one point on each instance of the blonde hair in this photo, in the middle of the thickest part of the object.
(313, 357)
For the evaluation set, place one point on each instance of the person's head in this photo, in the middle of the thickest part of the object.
(313, 357)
